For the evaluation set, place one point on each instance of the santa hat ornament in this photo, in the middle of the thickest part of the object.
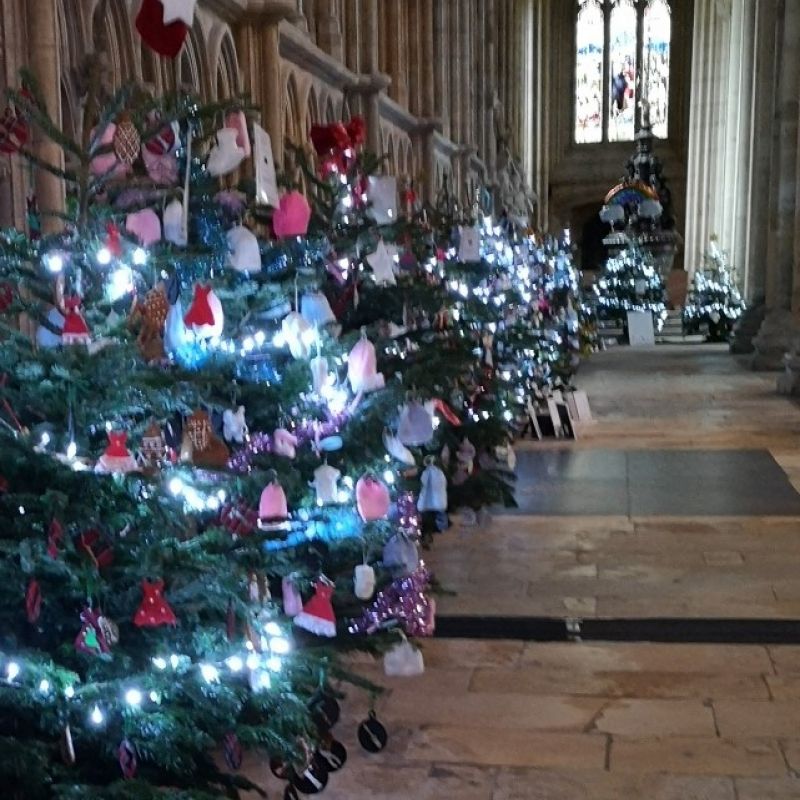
(75, 330)
(317, 616)
(226, 155)
(145, 226)
(244, 255)
(292, 216)
(116, 458)
(205, 316)
(273, 511)
(362, 371)
(154, 610)
(164, 24)
(372, 498)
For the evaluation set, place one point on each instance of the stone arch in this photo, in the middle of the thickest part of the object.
(312, 109)
(193, 77)
(391, 160)
(112, 37)
(330, 111)
(228, 77)
(293, 128)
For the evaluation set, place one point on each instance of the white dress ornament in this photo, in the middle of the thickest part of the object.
(325, 483)
(299, 335)
(433, 489)
(416, 425)
(234, 426)
(382, 263)
(175, 333)
(397, 450)
(244, 255)
(173, 223)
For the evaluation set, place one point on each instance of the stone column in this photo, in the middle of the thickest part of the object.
(353, 35)
(455, 67)
(370, 56)
(428, 58)
(779, 327)
(329, 33)
(441, 98)
(44, 63)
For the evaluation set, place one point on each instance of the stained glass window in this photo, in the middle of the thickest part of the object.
(589, 73)
(622, 72)
(622, 57)
(657, 30)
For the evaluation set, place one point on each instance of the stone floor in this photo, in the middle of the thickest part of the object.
(526, 720)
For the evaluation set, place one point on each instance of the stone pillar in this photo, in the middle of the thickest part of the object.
(329, 33)
(440, 66)
(44, 63)
(779, 328)
(353, 35)
(370, 56)
(455, 67)
(428, 69)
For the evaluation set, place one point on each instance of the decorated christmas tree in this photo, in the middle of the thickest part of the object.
(630, 282)
(238, 413)
(714, 303)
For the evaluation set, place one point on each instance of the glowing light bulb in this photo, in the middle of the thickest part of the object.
(12, 670)
(69, 692)
(133, 697)
(45, 440)
(103, 256)
(96, 716)
(253, 661)
(174, 661)
(54, 262)
(176, 486)
(279, 645)
(44, 686)
(72, 450)
(388, 476)
(160, 663)
(209, 672)
(274, 664)
(140, 256)
(235, 664)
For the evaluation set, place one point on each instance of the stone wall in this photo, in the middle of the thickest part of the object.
(435, 79)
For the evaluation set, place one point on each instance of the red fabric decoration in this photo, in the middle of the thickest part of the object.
(96, 547)
(14, 131)
(55, 533)
(75, 330)
(199, 312)
(116, 444)
(317, 615)
(357, 131)
(238, 518)
(446, 412)
(154, 609)
(6, 296)
(162, 142)
(166, 40)
(113, 240)
(33, 601)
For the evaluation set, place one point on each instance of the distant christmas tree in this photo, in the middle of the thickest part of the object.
(630, 282)
(714, 301)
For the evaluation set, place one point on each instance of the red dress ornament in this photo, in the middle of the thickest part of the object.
(117, 458)
(317, 615)
(75, 330)
(154, 610)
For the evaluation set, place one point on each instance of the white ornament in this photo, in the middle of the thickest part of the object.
(173, 223)
(320, 377)
(226, 155)
(433, 489)
(403, 660)
(234, 426)
(175, 334)
(266, 180)
(382, 263)
(469, 248)
(382, 196)
(244, 255)
(397, 450)
(324, 484)
(364, 581)
(299, 335)
(182, 10)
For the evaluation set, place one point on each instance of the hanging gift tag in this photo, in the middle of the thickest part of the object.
(469, 248)
(266, 180)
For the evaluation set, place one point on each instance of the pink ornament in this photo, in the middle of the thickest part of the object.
(272, 508)
(291, 218)
(372, 498)
(161, 169)
(362, 369)
(145, 226)
(284, 443)
(103, 164)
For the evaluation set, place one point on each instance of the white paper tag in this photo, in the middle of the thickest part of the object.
(266, 180)
(469, 248)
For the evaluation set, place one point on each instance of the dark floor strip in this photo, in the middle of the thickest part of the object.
(673, 630)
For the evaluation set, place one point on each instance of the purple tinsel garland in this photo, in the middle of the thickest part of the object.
(259, 443)
(404, 601)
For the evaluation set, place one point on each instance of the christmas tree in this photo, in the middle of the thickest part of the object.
(630, 282)
(714, 301)
(232, 397)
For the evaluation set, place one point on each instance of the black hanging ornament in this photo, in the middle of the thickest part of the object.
(325, 710)
(313, 778)
(332, 753)
(372, 735)
(290, 793)
(232, 750)
(279, 768)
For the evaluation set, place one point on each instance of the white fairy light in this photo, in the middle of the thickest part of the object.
(72, 450)
(174, 661)
(388, 476)
(140, 256)
(274, 664)
(54, 262)
(133, 697)
(160, 663)
(69, 692)
(96, 716)
(235, 664)
(279, 645)
(209, 672)
(103, 256)
(253, 661)
(44, 686)
(12, 670)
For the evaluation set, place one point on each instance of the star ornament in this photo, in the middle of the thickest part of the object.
(382, 263)
(182, 10)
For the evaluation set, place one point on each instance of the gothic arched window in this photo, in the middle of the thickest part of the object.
(622, 51)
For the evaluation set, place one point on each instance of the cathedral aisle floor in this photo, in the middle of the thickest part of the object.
(682, 681)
